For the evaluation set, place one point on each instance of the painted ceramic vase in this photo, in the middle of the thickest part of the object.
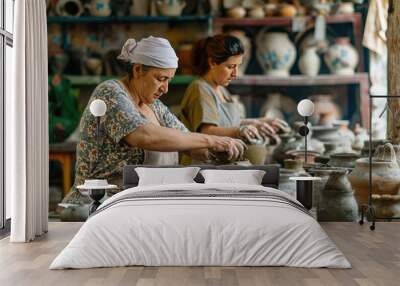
(99, 8)
(341, 58)
(275, 53)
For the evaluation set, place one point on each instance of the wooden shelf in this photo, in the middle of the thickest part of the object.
(125, 19)
(358, 80)
(283, 21)
(91, 80)
(301, 80)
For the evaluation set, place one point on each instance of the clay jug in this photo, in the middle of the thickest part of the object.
(337, 202)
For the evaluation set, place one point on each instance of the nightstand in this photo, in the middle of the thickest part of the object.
(304, 190)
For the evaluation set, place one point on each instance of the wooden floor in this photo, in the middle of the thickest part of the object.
(374, 255)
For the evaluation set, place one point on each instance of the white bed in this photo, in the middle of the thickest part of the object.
(203, 225)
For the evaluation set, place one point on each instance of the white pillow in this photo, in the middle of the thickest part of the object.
(164, 176)
(248, 177)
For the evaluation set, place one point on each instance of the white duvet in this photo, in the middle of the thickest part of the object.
(188, 231)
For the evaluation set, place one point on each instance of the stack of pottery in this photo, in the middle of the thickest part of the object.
(275, 52)
(385, 177)
(336, 201)
(341, 58)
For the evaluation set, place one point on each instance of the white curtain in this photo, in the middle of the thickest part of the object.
(27, 124)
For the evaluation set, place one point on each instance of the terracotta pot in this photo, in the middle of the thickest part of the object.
(287, 10)
(385, 177)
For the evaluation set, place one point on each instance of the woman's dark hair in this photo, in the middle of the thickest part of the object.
(217, 48)
(129, 66)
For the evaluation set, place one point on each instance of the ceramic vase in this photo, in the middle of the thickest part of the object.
(337, 202)
(99, 8)
(341, 58)
(275, 53)
(309, 62)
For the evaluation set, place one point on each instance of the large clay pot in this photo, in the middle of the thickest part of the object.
(140, 8)
(341, 58)
(337, 202)
(385, 177)
(275, 52)
(309, 62)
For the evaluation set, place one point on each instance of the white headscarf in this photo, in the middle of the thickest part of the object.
(151, 51)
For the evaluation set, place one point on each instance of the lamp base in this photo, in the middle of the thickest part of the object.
(96, 195)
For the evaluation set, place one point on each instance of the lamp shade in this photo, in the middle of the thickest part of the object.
(305, 107)
(98, 107)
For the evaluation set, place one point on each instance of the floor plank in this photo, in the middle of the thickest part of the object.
(374, 255)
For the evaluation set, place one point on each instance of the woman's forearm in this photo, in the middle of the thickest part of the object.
(232, 132)
(157, 138)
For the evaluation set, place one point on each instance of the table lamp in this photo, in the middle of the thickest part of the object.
(96, 188)
(305, 108)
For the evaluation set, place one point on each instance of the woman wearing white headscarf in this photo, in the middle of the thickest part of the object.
(137, 127)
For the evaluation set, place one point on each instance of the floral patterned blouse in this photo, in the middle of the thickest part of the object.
(107, 159)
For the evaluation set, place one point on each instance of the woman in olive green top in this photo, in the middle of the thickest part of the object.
(207, 106)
